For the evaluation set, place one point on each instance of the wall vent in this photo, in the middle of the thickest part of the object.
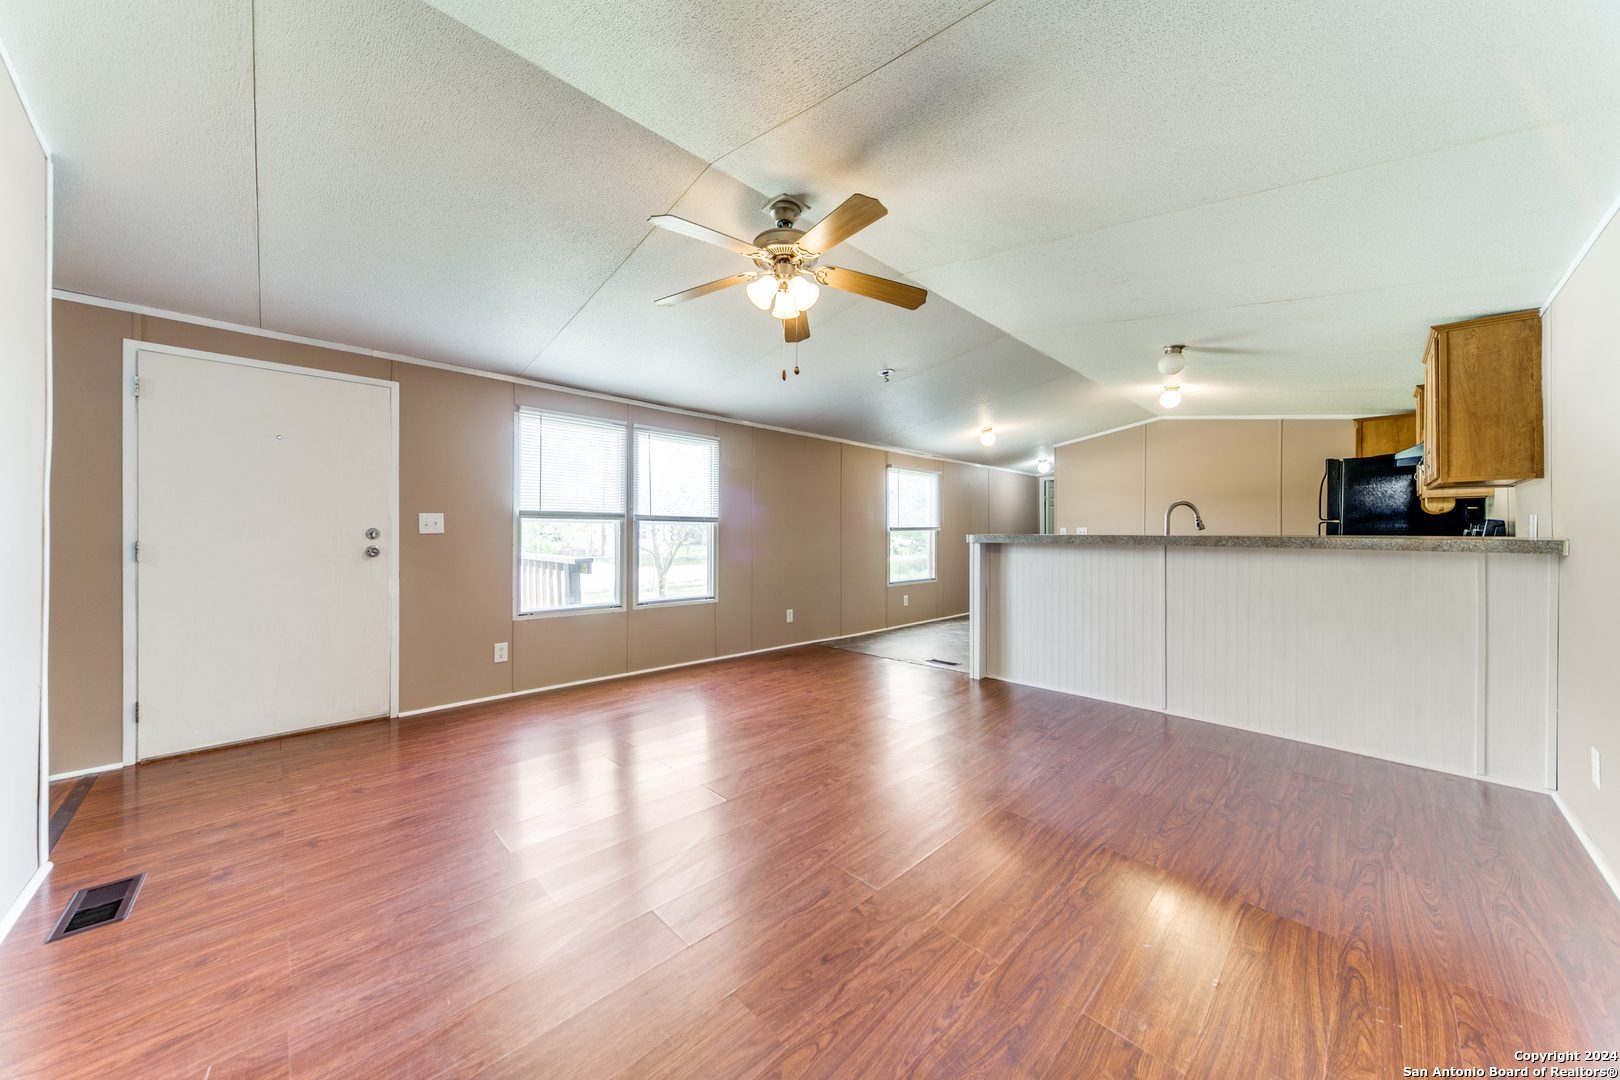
(97, 906)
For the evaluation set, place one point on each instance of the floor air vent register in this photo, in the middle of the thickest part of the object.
(97, 906)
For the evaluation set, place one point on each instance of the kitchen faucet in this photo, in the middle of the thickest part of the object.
(1198, 521)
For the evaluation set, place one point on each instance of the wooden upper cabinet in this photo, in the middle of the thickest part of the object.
(1385, 434)
(1481, 403)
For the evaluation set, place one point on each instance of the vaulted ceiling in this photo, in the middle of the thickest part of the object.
(1295, 190)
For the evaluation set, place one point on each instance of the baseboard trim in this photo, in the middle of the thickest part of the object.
(1504, 781)
(1590, 845)
(85, 772)
(667, 667)
(23, 898)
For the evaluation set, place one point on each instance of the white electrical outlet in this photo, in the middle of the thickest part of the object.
(1597, 774)
(1081, 531)
(430, 523)
(790, 614)
(500, 652)
(905, 599)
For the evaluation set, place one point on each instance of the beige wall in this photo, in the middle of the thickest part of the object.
(1098, 483)
(1306, 446)
(1580, 381)
(1247, 477)
(1228, 468)
(802, 527)
(866, 553)
(87, 498)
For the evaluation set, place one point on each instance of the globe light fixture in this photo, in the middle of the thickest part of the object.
(762, 291)
(988, 437)
(1171, 397)
(805, 292)
(784, 307)
(1043, 466)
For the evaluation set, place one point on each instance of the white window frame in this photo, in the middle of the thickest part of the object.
(633, 538)
(519, 515)
(890, 530)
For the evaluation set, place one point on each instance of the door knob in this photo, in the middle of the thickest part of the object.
(372, 534)
(372, 552)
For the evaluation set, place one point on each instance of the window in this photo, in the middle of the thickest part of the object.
(913, 521)
(677, 510)
(570, 511)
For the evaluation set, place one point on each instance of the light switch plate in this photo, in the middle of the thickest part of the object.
(430, 523)
(790, 614)
(500, 652)
(1597, 774)
(905, 599)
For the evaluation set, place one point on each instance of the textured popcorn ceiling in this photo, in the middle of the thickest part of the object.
(1295, 190)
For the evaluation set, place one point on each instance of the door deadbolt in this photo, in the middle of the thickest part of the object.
(372, 534)
(372, 552)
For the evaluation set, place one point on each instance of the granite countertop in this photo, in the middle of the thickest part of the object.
(1495, 545)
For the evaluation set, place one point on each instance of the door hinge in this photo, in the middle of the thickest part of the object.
(137, 551)
(137, 386)
(137, 712)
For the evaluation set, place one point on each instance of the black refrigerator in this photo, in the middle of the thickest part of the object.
(1373, 496)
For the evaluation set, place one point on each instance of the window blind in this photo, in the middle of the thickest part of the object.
(677, 476)
(570, 464)
(913, 499)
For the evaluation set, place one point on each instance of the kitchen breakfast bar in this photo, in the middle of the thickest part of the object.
(1435, 651)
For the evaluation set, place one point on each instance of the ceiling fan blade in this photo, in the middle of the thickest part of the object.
(878, 288)
(796, 329)
(704, 233)
(704, 290)
(850, 217)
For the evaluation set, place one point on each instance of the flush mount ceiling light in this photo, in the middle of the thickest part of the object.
(1043, 466)
(1171, 365)
(787, 283)
(988, 436)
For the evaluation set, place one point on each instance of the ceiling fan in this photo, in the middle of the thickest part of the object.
(786, 282)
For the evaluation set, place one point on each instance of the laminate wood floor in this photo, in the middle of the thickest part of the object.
(812, 863)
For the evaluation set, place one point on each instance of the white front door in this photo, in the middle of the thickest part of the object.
(259, 608)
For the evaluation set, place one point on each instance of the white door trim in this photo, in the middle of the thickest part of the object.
(131, 516)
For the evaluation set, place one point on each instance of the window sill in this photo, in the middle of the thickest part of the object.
(913, 581)
(677, 603)
(552, 613)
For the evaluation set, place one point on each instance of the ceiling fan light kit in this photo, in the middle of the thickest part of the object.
(787, 283)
